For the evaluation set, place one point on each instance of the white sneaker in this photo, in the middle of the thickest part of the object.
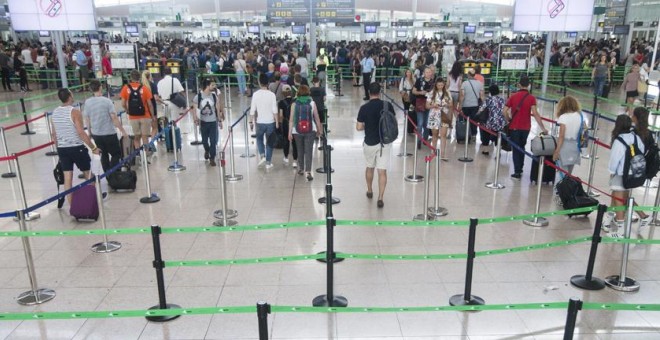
(262, 162)
(269, 165)
(614, 235)
(558, 201)
(607, 221)
(286, 161)
(643, 226)
(294, 164)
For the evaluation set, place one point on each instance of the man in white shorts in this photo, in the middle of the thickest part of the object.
(377, 156)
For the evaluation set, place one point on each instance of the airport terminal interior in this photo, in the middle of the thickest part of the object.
(459, 246)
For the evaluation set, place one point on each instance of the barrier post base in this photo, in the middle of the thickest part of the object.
(437, 212)
(629, 285)
(51, 153)
(30, 216)
(8, 175)
(335, 200)
(196, 142)
(150, 199)
(537, 222)
(234, 178)
(655, 223)
(459, 300)
(414, 178)
(220, 223)
(495, 186)
(322, 301)
(163, 318)
(322, 171)
(106, 247)
(31, 298)
(465, 159)
(335, 259)
(404, 154)
(581, 281)
(247, 156)
(26, 133)
(420, 217)
(231, 213)
(176, 167)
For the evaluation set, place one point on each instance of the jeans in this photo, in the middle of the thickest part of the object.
(518, 137)
(240, 77)
(599, 84)
(305, 143)
(263, 131)
(471, 112)
(209, 131)
(422, 121)
(110, 150)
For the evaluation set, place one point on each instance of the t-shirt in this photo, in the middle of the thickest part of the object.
(369, 114)
(571, 122)
(285, 106)
(264, 105)
(207, 107)
(470, 96)
(146, 97)
(522, 120)
(167, 86)
(98, 110)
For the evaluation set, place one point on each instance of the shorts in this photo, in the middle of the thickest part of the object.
(77, 155)
(616, 183)
(141, 127)
(632, 94)
(374, 158)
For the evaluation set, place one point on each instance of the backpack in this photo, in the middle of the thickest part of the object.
(388, 126)
(634, 165)
(215, 68)
(303, 117)
(135, 104)
(199, 102)
(652, 157)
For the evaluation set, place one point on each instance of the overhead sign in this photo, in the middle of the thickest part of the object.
(490, 24)
(514, 56)
(52, 15)
(553, 15)
(400, 23)
(439, 24)
(299, 10)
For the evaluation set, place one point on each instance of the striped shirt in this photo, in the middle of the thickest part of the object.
(67, 136)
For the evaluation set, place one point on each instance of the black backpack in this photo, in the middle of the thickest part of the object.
(388, 126)
(634, 165)
(652, 156)
(135, 104)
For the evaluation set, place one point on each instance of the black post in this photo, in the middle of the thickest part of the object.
(574, 306)
(587, 281)
(508, 87)
(263, 309)
(323, 147)
(467, 299)
(327, 164)
(593, 119)
(330, 299)
(25, 119)
(563, 82)
(160, 281)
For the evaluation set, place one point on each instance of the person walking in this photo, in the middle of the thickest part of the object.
(439, 104)
(284, 107)
(208, 114)
(70, 137)
(263, 111)
(629, 86)
(5, 68)
(304, 127)
(367, 64)
(377, 156)
(601, 74)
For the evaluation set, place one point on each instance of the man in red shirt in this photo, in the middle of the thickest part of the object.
(518, 111)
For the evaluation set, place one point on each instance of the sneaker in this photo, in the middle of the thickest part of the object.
(294, 164)
(516, 176)
(262, 162)
(212, 163)
(309, 177)
(608, 218)
(285, 161)
(300, 172)
(643, 226)
(558, 201)
(614, 234)
(104, 195)
(206, 155)
(269, 165)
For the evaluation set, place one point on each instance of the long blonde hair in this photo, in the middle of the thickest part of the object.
(145, 80)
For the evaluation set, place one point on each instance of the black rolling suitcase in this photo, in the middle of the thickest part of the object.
(124, 179)
(460, 131)
(573, 196)
(548, 173)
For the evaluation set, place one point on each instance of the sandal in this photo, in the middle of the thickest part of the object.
(370, 194)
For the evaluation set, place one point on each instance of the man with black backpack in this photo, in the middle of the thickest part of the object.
(136, 101)
(376, 118)
(207, 113)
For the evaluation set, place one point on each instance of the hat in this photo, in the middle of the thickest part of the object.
(286, 88)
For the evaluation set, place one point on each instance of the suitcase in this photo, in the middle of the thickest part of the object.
(83, 204)
(123, 179)
(573, 196)
(168, 138)
(606, 90)
(127, 148)
(460, 131)
(548, 173)
(543, 145)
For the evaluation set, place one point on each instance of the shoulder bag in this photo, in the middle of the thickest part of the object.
(177, 98)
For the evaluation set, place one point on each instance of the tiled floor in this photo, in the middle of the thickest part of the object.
(87, 281)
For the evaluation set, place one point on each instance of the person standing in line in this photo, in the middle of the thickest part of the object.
(304, 108)
(147, 81)
(629, 86)
(5, 60)
(367, 64)
(81, 66)
(518, 111)
(101, 118)
(207, 113)
(166, 87)
(263, 111)
(70, 137)
(241, 70)
(440, 117)
(405, 88)
(139, 111)
(472, 92)
(304, 65)
(571, 124)
(495, 121)
(322, 63)
(455, 78)
(377, 156)
(423, 86)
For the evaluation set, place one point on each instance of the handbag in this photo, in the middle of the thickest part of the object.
(58, 173)
(405, 97)
(583, 135)
(177, 98)
(544, 145)
(275, 139)
(420, 104)
(642, 87)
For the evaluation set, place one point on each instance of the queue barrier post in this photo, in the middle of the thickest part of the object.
(224, 215)
(496, 176)
(466, 158)
(414, 178)
(36, 295)
(25, 119)
(424, 216)
(592, 167)
(29, 216)
(232, 177)
(327, 160)
(49, 129)
(151, 197)
(105, 246)
(538, 221)
(175, 167)
(574, 306)
(587, 281)
(404, 152)
(10, 171)
(326, 167)
(622, 282)
(330, 299)
(654, 217)
(263, 309)
(329, 200)
(436, 210)
(247, 153)
(593, 130)
(467, 299)
(324, 112)
(159, 264)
